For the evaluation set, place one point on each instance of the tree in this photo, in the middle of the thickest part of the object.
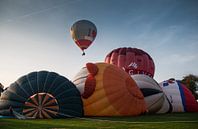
(191, 82)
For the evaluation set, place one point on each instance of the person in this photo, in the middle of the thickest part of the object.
(1, 88)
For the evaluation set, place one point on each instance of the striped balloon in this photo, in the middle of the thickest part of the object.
(132, 60)
(42, 95)
(83, 33)
(179, 96)
(153, 94)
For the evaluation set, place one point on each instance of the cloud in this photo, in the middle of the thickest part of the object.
(36, 12)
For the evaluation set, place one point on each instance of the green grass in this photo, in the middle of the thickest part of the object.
(166, 121)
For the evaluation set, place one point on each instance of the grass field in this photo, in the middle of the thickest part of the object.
(166, 121)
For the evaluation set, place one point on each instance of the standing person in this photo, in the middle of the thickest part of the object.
(1, 88)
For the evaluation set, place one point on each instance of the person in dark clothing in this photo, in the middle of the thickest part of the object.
(1, 88)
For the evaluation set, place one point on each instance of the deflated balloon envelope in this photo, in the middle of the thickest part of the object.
(108, 91)
(179, 96)
(132, 60)
(42, 95)
(153, 94)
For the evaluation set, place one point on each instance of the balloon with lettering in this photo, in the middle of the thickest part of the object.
(132, 60)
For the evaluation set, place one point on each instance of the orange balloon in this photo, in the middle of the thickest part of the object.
(108, 91)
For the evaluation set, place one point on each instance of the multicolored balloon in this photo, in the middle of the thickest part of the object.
(107, 90)
(179, 96)
(132, 60)
(83, 33)
(153, 94)
(42, 95)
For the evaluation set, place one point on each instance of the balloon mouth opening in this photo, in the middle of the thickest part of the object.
(83, 53)
(41, 105)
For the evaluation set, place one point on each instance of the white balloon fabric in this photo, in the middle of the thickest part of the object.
(179, 96)
(166, 107)
(153, 94)
(172, 91)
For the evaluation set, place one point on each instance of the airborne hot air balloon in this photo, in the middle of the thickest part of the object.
(41, 95)
(132, 60)
(83, 33)
(179, 96)
(107, 90)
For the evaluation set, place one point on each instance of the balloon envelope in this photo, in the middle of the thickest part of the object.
(153, 94)
(83, 33)
(107, 90)
(132, 60)
(179, 96)
(42, 95)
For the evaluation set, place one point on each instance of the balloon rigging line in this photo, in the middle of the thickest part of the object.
(30, 84)
(45, 82)
(22, 89)
(52, 84)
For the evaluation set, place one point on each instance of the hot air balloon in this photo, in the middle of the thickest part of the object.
(107, 90)
(166, 106)
(83, 33)
(153, 94)
(179, 96)
(41, 95)
(132, 60)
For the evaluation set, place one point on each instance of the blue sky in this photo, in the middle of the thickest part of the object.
(34, 35)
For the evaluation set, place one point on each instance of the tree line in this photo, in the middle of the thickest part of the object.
(191, 82)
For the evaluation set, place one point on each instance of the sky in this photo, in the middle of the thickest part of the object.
(35, 35)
